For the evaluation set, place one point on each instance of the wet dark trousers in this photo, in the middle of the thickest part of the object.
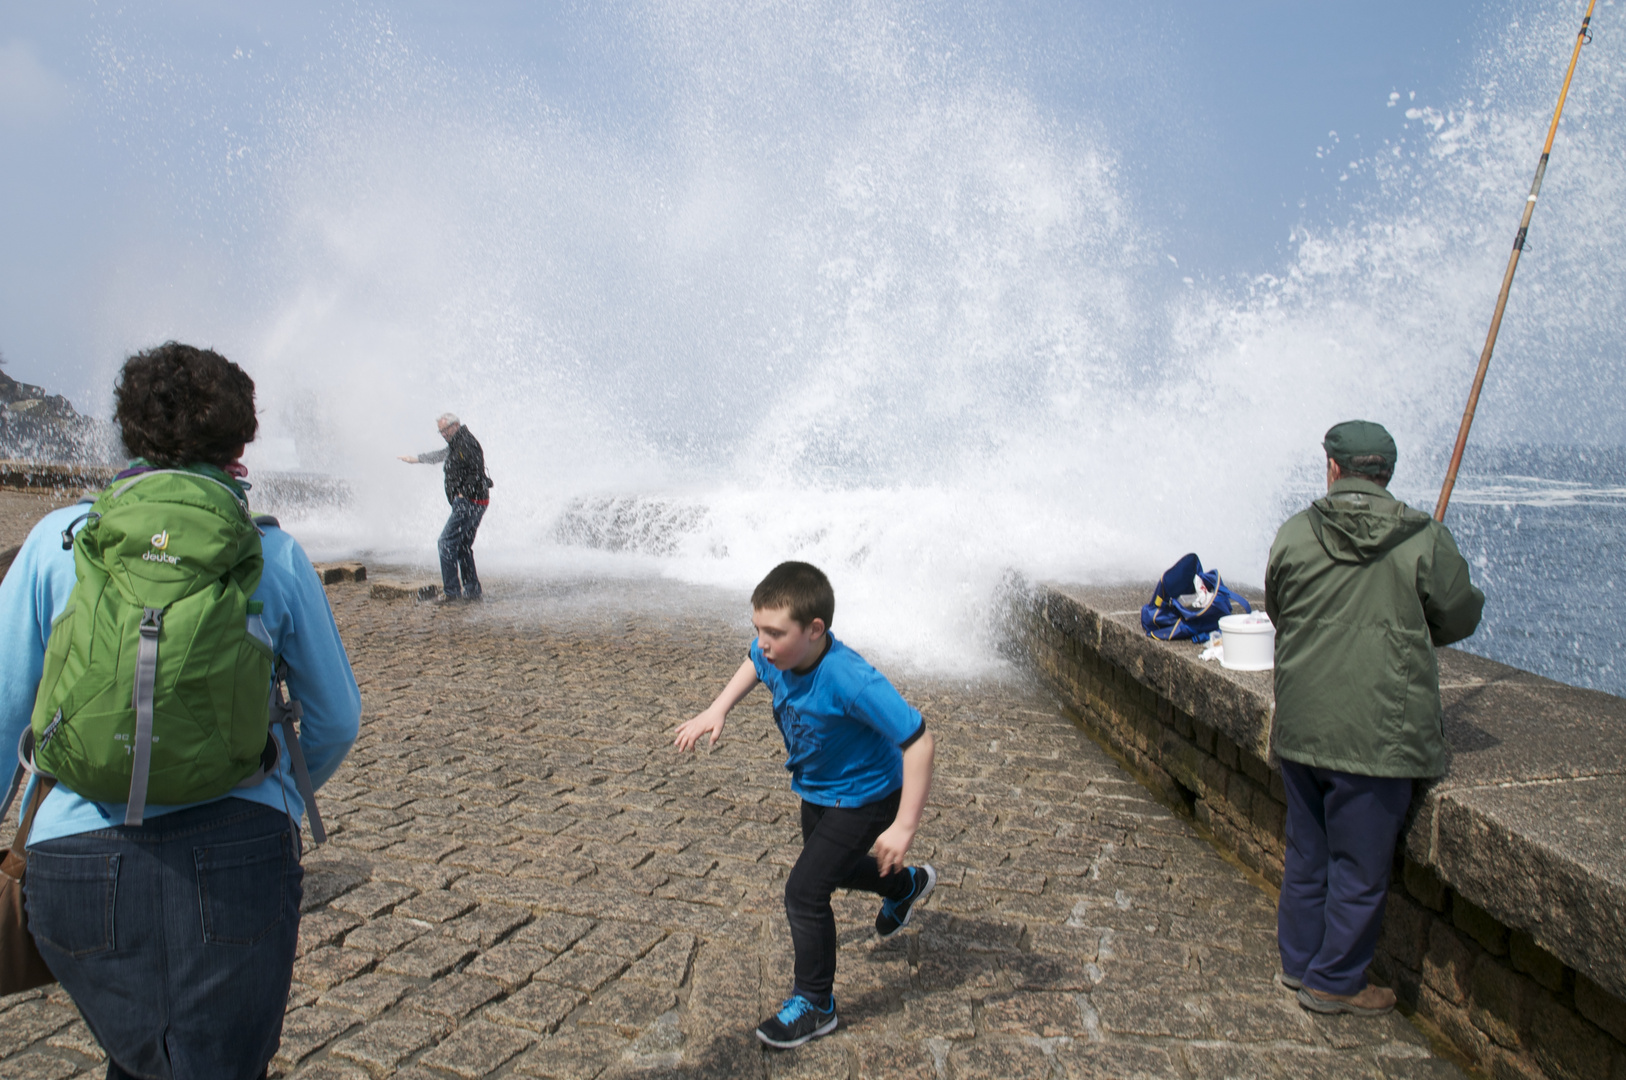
(175, 938)
(835, 855)
(1341, 833)
(457, 550)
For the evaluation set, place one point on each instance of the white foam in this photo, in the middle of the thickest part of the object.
(853, 300)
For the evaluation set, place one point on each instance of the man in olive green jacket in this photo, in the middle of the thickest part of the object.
(1361, 589)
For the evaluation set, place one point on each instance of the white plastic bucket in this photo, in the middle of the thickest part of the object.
(1250, 642)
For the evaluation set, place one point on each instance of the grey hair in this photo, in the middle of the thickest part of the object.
(448, 418)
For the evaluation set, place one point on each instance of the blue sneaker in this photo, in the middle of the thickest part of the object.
(895, 914)
(797, 1021)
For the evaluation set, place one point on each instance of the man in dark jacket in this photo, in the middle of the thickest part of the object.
(1362, 589)
(468, 490)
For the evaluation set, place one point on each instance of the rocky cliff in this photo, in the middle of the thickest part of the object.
(37, 426)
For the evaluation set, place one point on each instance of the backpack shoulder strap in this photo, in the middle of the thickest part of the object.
(146, 678)
(286, 712)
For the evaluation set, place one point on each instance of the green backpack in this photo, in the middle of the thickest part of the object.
(157, 684)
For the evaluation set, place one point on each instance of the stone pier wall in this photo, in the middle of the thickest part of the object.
(1506, 925)
(51, 476)
(270, 492)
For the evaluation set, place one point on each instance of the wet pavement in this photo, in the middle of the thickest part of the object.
(526, 880)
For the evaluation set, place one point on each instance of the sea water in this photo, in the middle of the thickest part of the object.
(829, 287)
(1546, 539)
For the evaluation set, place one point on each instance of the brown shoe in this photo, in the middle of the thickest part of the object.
(1371, 1001)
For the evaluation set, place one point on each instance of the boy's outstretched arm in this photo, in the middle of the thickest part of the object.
(689, 732)
(892, 845)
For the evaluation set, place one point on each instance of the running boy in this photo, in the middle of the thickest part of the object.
(861, 759)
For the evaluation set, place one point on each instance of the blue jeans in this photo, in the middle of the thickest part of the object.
(1341, 832)
(175, 938)
(457, 550)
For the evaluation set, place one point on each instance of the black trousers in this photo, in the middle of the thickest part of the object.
(835, 855)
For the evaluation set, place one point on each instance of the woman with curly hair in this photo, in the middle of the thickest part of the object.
(172, 925)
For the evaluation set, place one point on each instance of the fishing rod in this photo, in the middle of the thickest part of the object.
(1581, 38)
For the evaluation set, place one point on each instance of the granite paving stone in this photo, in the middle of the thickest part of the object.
(890, 1060)
(512, 963)
(325, 926)
(368, 994)
(998, 1059)
(824, 1060)
(478, 1049)
(434, 907)
(488, 925)
(429, 957)
(582, 970)
(415, 873)
(77, 1037)
(307, 1030)
(577, 1055)
(386, 1042)
(38, 1065)
(630, 940)
(373, 899)
(524, 879)
(1128, 1061)
(940, 1016)
(456, 995)
(31, 1022)
(384, 936)
(555, 932)
(541, 1007)
(329, 1069)
(331, 965)
(629, 1008)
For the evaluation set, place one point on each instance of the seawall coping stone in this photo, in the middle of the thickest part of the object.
(1526, 821)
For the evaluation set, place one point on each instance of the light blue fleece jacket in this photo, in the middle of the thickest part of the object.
(302, 630)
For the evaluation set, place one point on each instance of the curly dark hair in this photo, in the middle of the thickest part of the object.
(180, 405)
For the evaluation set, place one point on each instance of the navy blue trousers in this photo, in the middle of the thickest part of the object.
(457, 550)
(175, 938)
(1341, 832)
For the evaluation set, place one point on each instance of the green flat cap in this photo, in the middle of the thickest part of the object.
(1360, 446)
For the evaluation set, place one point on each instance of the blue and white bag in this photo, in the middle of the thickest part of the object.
(1189, 602)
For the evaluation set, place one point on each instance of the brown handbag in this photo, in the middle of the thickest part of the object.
(21, 965)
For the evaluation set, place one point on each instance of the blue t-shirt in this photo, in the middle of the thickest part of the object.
(844, 726)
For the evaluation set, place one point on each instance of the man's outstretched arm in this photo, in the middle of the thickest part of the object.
(430, 457)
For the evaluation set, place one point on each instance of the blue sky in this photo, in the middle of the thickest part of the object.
(1230, 124)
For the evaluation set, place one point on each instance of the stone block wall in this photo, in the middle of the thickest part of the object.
(1508, 1004)
(1230, 790)
(1199, 736)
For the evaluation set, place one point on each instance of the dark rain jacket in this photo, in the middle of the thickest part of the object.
(1362, 589)
(465, 467)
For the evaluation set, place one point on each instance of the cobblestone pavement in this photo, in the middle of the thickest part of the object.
(19, 510)
(525, 880)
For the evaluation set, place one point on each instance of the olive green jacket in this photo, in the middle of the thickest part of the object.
(1361, 589)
